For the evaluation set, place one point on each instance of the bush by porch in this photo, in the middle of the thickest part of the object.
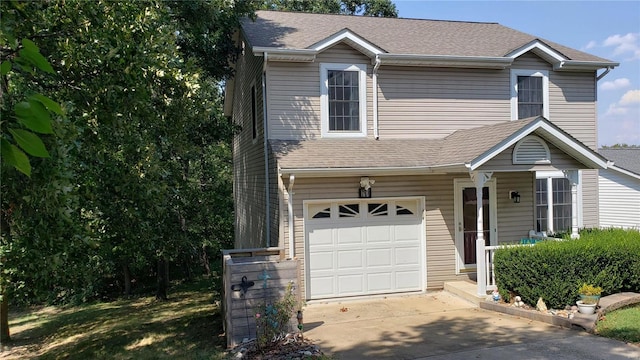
(554, 270)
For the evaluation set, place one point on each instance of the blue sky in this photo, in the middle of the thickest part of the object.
(609, 29)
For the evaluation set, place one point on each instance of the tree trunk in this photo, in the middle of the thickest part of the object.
(4, 320)
(163, 279)
(205, 260)
(127, 279)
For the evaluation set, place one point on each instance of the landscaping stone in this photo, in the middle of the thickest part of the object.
(290, 347)
(566, 318)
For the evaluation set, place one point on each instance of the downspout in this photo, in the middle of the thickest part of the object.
(292, 179)
(606, 71)
(374, 81)
(267, 184)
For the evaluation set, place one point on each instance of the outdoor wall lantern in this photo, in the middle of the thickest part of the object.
(365, 187)
(515, 196)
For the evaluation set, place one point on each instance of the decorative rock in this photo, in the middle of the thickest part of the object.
(518, 299)
(567, 308)
(541, 306)
(574, 308)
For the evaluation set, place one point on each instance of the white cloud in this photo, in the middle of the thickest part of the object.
(591, 45)
(620, 124)
(615, 84)
(628, 44)
(630, 97)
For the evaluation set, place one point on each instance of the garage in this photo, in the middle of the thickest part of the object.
(364, 247)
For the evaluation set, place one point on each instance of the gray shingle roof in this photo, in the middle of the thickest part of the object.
(457, 149)
(288, 30)
(628, 159)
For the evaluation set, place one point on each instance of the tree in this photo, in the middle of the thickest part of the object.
(139, 172)
(379, 8)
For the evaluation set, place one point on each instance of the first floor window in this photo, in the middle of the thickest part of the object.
(553, 205)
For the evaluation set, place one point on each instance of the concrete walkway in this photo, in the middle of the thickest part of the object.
(443, 326)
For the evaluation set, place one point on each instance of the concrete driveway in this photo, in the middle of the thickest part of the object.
(443, 326)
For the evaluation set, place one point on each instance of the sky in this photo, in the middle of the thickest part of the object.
(608, 29)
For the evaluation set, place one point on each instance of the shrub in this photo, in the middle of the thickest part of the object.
(554, 270)
(274, 320)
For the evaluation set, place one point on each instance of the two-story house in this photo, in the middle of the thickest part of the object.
(385, 154)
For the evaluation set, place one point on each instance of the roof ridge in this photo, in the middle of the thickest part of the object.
(380, 17)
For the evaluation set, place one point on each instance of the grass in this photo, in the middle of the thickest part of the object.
(188, 325)
(622, 324)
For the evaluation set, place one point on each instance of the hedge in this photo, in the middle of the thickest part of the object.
(553, 270)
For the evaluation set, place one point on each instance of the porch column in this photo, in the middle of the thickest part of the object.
(574, 179)
(479, 179)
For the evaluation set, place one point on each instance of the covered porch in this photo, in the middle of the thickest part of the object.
(462, 195)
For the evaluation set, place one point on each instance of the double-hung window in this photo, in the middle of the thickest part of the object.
(343, 100)
(529, 93)
(553, 204)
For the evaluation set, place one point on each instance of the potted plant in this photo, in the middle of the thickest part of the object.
(589, 297)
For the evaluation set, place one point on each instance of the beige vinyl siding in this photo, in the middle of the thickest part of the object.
(619, 200)
(572, 98)
(559, 161)
(416, 102)
(293, 95)
(514, 220)
(248, 156)
(530, 61)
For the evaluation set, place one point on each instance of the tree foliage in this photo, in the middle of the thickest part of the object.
(379, 8)
(138, 173)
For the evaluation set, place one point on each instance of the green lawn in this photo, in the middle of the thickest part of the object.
(187, 326)
(622, 324)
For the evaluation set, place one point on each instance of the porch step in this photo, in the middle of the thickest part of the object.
(466, 290)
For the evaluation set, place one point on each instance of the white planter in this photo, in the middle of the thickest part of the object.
(586, 309)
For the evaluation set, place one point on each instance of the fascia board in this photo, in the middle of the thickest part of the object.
(379, 171)
(583, 65)
(346, 34)
(623, 171)
(278, 54)
(570, 145)
(543, 50)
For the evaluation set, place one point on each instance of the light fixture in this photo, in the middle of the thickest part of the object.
(515, 196)
(365, 187)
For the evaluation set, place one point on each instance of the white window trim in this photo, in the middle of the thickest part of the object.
(544, 74)
(324, 98)
(548, 175)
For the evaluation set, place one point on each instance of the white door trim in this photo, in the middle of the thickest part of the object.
(458, 185)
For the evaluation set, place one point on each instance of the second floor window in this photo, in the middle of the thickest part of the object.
(343, 99)
(344, 104)
(529, 96)
(529, 93)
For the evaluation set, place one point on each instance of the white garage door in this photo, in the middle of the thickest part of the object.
(364, 247)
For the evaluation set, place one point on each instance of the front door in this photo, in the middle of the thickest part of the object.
(466, 221)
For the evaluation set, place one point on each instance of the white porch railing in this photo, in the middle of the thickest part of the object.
(489, 252)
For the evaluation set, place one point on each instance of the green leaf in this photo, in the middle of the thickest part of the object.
(48, 103)
(30, 142)
(15, 157)
(30, 45)
(5, 67)
(36, 59)
(34, 116)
